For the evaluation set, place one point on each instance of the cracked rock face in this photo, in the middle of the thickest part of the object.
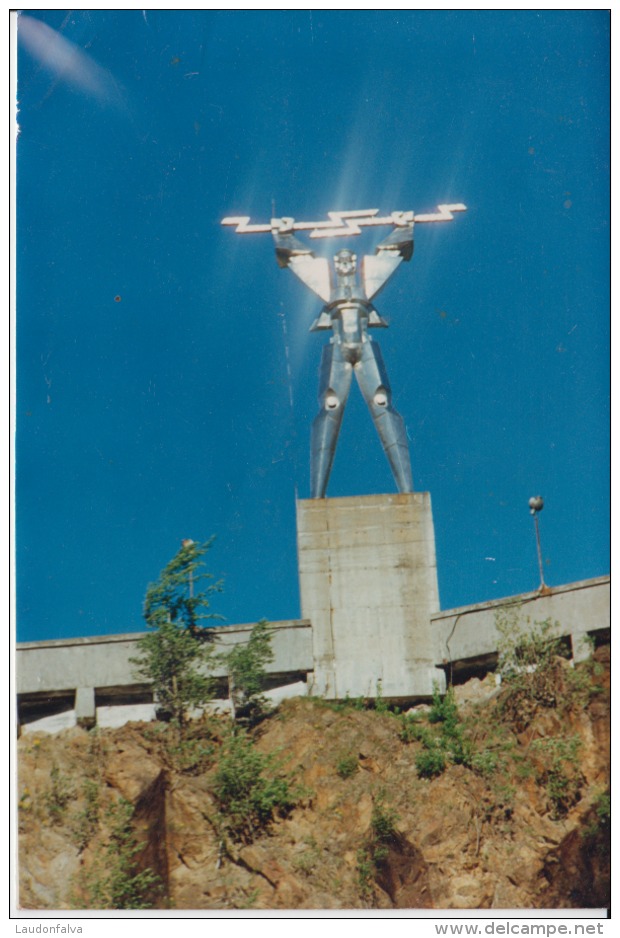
(530, 834)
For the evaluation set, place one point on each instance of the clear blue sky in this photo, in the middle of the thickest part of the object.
(167, 413)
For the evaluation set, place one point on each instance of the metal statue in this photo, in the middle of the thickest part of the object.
(347, 290)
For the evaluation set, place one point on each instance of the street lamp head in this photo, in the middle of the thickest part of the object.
(536, 504)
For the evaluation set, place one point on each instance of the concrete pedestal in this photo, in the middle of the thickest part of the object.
(368, 582)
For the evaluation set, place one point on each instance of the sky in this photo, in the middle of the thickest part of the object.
(166, 380)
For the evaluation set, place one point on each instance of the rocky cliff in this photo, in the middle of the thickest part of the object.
(499, 800)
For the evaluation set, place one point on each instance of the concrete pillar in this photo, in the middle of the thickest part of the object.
(581, 645)
(85, 711)
(368, 582)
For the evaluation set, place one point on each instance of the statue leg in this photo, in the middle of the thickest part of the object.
(334, 386)
(374, 385)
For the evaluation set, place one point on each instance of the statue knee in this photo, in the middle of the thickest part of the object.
(331, 401)
(381, 398)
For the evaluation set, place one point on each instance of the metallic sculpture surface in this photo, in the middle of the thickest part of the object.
(347, 290)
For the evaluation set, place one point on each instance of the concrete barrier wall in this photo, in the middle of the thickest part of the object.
(89, 680)
(103, 661)
(470, 633)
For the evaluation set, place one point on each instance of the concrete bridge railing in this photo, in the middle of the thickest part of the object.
(86, 675)
(467, 637)
(88, 680)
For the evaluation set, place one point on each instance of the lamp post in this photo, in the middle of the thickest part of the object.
(536, 505)
(187, 542)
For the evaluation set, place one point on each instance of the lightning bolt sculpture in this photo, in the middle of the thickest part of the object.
(347, 223)
(347, 290)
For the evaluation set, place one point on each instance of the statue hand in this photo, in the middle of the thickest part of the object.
(402, 219)
(282, 225)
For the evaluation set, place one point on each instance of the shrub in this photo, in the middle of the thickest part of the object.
(249, 787)
(602, 807)
(114, 880)
(560, 774)
(86, 822)
(246, 665)
(373, 853)
(528, 661)
(347, 766)
(581, 682)
(410, 729)
(444, 710)
(58, 796)
(413, 728)
(383, 820)
(365, 872)
(446, 742)
(596, 834)
(191, 751)
(484, 762)
(430, 762)
(380, 704)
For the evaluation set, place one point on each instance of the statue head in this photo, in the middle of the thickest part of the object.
(345, 262)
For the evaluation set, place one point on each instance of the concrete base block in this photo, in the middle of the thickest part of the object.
(51, 724)
(368, 583)
(277, 694)
(127, 713)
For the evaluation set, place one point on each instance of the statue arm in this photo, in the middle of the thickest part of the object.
(287, 245)
(389, 254)
(400, 240)
(293, 253)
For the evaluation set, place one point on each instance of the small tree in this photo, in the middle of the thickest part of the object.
(175, 596)
(246, 665)
(174, 654)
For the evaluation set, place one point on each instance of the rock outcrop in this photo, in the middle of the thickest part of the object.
(523, 823)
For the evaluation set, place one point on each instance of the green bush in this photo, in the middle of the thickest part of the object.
(529, 663)
(249, 787)
(581, 682)
(114, 880)
(446, 742)
(58, 796)
(383, 821)
(560, 775)
(86, 822)
(374, 851)
(189, 754)
(444, 710)
(410, 729)
(246, 665)
(596, 835)
(460, 748)
(484, 762)
(365, 872)
(602, 806)
(430, 762)
(380, 704)
(347, 766)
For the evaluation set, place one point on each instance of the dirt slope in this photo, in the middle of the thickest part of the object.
(522, 822)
